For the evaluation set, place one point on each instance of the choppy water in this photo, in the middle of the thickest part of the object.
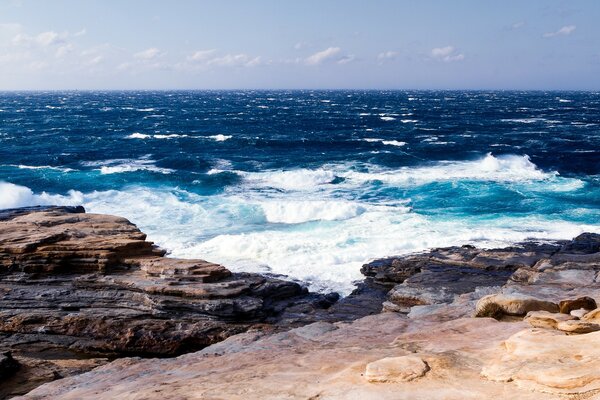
(310, 184)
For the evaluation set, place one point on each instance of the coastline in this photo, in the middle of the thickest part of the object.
(81, 290)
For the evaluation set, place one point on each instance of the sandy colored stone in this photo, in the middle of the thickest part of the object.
(586, 302)
(577, 326)
(545, 319)
(513, 304)
(396, 369)
(592, 316)
(548, 361)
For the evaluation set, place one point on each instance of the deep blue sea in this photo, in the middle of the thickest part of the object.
(310, 184)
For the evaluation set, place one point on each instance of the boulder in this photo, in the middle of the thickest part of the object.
(566, 306)
(512, 304)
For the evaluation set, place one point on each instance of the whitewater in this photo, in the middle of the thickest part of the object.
(293, 191)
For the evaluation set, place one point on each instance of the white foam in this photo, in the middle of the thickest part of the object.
(299, 179)
(169, 136)
(13, 196)
(294, 212)
(387, 118)
(523, 120)
(408, 121)
(386, 142)
(118, 166)
(137, 135)
(220, 137)
(62, 169)
(393, 143)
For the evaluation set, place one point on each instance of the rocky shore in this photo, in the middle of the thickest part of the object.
(87, 299)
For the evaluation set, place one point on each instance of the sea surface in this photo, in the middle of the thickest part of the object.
(310, 184)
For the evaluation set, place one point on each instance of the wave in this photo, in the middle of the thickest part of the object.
(62, 169)
(523, 120)
(386, 142)
(264, 232)
(220, 137)
(118, 166)
(137, 135)
(294, 212)
(505, 168)
(393, 143)
(14, 196)
(300, 179)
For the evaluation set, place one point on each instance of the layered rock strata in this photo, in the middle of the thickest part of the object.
(452, 323)
(80, 289)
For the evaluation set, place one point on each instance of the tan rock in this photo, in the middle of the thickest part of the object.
(566, 306)
(545, 319)
(396, 369)
(592, 316)
(512, 304)
(548, 361)
(576, 326)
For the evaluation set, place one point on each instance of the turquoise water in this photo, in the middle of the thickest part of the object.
(310, 184)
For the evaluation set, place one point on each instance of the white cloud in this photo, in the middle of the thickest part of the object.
(235, 60)
(63, 50)
(346, 59)
(206, 58)
(324, 55)
(201, 55)
(148, 54)
(447, 54)
(94, 61)
(44, 39)
(301, 45)
(80, 33)
(517, 25)
(386, 56)
(564, 31)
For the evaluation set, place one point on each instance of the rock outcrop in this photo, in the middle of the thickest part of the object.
(452, 323)
(78, 287)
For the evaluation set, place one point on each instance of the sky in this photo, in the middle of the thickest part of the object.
(311, 44)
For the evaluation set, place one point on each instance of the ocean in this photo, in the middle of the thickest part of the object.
(310, 184)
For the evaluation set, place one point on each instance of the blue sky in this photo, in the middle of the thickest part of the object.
(381, 44)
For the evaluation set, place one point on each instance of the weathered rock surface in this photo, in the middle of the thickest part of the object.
(549, 361)
(431, 348)
(545, 319)
(396, 369)
(77, 286)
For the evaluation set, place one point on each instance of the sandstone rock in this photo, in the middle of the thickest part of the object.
(545, 319)
(576, 326)
(566, 306)
(76, 284)
(548, 361)
(592, 316)
(513, 304)
(396, 369)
